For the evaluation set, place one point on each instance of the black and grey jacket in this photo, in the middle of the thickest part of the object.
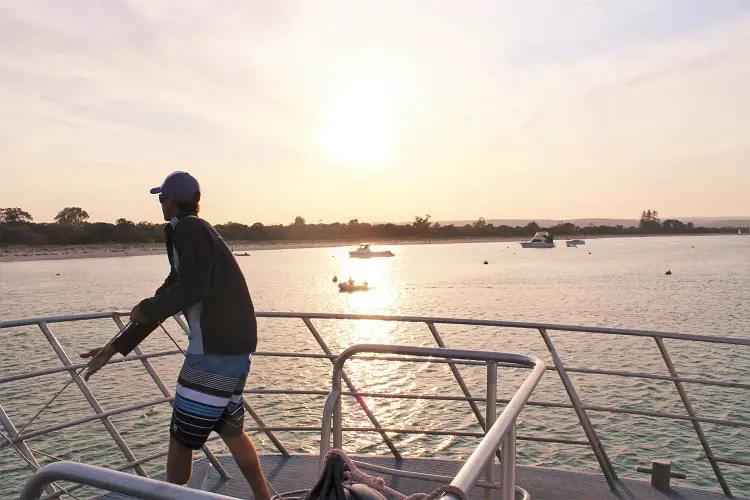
(206, 284)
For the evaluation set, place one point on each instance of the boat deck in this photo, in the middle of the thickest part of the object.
(300, 472)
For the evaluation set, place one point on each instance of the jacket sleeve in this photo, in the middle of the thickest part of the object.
(167, 283)
(194, 247)
(133, 335)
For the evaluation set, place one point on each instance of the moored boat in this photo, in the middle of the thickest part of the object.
(365, 252)
(541, 239)
(349, 286)
(575, 243)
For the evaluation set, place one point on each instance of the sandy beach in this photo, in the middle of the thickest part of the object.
(21, 254)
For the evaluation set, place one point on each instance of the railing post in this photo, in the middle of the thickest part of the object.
(588, 428)
(491, 411)
(461, 383)
(325, 430)
(460, 380)
(338, 437)
(165, 391)
(691, 412)
(21, 447)
(509, 464)
(360, 400)
(83, 386)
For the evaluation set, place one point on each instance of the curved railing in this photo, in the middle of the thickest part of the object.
(12, 436)
(501, 434)
(110, 480)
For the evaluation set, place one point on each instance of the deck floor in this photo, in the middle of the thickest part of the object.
(300, 472)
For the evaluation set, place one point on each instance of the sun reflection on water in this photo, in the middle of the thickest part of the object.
(382, 295)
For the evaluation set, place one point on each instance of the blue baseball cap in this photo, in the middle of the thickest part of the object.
(180, 186)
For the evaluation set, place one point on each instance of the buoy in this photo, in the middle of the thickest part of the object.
(335, 279)
(668, 272)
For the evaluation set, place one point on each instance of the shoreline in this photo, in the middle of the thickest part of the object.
(30, 254)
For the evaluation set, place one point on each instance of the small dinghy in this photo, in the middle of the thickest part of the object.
(351, 286)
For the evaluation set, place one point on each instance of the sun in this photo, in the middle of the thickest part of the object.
(359, 127)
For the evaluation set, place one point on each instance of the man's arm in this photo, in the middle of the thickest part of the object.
(124, 343)
(167, 283)
(133, 335)
(194, 247)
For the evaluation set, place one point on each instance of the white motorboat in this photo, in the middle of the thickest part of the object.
(575, 243)
(542, 239)
(365, 252)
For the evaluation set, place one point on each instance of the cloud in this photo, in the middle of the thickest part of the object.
(591, 93)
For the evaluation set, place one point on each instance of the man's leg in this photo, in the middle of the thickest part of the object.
(200, 399)
(179, 462)
(231, 428)
(243, 451)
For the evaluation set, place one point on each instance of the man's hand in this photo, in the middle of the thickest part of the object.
(100, 357)
(136, 316)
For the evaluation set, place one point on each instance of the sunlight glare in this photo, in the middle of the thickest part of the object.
(359, 127)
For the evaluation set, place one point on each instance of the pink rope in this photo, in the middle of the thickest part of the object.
(378, 483)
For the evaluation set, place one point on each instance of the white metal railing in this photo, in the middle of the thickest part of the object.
(501, 433)
(110, 480)
(18, 440)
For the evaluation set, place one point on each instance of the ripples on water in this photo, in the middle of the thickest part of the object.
(609, 282)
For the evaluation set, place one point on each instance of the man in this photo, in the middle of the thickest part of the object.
(206, 284)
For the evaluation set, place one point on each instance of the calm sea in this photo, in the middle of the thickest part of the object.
(608, 282)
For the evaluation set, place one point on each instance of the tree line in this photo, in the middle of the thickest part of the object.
(72, 227)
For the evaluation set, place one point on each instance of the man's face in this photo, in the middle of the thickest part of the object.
(168, 207)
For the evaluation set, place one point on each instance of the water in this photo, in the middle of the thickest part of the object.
(608, 282)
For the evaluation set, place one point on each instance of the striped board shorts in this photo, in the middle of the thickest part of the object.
(209, 398)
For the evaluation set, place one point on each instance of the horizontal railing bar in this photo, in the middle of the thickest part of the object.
(700, 381)
(159, 454)
(420, 319)
(59, 369)
(71, 423)
(14, 323)
(593, 371)
(509, 324)
(382, 358)
(673, 416)
(574, 442)
(116, 411)
(125, 467)
(288, 392)
(322, 392)
(382, 395)
(457, 433)
(732, 461)
(109, 480)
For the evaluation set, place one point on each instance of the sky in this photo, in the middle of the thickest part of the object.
(377, 110)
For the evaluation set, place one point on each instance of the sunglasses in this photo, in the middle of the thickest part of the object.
(163, 197)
